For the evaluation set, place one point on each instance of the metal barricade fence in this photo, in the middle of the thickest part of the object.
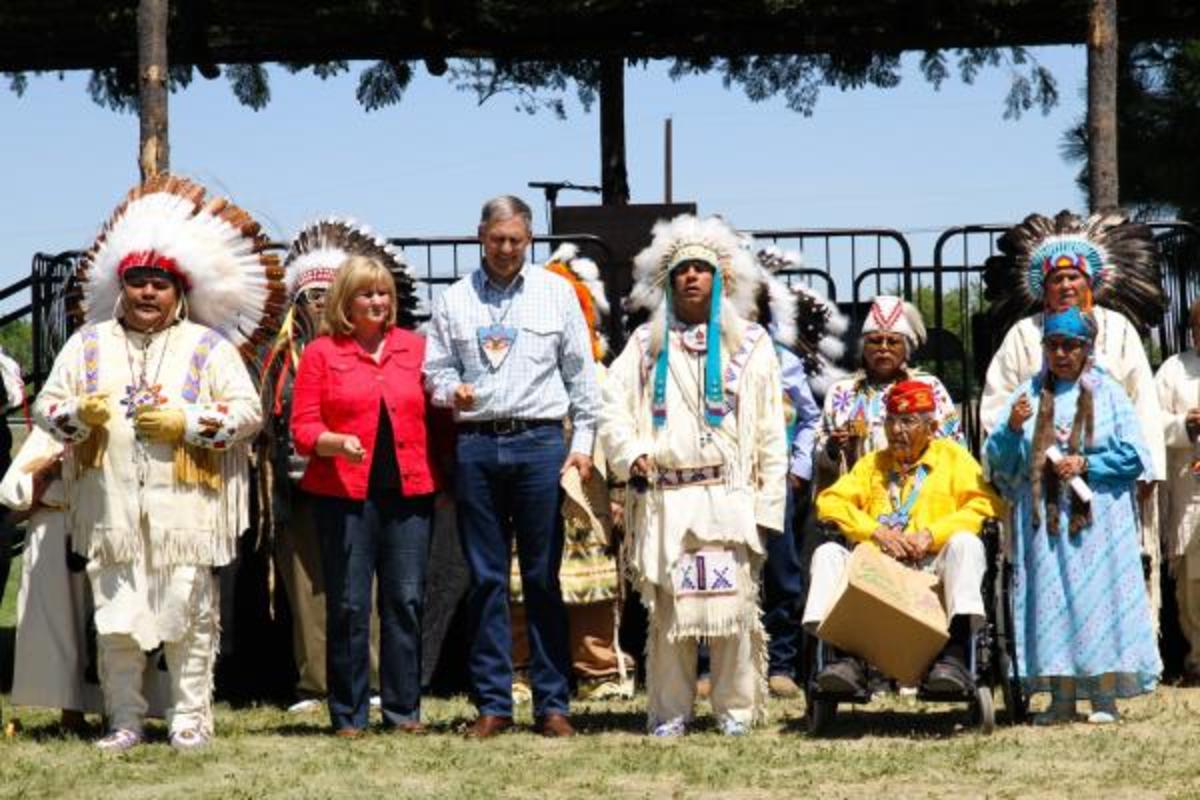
(957, 304)
(1179, 248)
(438, 261)
(834, 258)
(51, 283)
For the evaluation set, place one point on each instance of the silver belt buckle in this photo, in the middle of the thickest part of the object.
(504, 427)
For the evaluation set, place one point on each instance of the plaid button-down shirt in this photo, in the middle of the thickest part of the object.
(548, 372)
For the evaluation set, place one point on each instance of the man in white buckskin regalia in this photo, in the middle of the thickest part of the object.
(693, 416)
(155, 405)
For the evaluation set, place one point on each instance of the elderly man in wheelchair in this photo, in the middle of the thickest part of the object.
(922, 501)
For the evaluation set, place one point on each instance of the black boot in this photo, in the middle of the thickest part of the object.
(949, 673)
(844, 674)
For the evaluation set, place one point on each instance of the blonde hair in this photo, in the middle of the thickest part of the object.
(355, 274)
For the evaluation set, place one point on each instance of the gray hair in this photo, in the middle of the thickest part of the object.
(910, 347)
(504, 207)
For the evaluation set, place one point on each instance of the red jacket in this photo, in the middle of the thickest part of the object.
(338, 388)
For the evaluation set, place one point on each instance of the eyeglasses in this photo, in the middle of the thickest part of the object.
(890, 341)
(906, 422)
(1069, 346)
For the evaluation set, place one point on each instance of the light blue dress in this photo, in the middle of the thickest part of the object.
(1080, 605)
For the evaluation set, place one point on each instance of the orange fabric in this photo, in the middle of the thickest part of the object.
(910, 397)
(585, 304)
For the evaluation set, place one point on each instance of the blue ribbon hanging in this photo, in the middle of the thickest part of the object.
(714, 391)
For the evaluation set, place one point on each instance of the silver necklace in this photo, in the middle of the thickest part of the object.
(696, 405)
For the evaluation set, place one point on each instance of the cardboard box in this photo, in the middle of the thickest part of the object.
(887, 613)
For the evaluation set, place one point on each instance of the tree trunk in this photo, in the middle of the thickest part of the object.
(1103, 188)
(153, 153)
(614, 182)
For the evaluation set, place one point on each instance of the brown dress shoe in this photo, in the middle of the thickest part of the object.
(407, 727)
(487, 726)
(555, 726)
(348, 733)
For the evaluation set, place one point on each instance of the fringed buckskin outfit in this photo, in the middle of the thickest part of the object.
(155, 517)
(719, 448)
(1178, 382)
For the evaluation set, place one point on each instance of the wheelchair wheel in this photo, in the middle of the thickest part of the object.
(819, 715)
(983, 710)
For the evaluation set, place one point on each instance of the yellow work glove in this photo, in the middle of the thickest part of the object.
(93, 409)
(160, 425)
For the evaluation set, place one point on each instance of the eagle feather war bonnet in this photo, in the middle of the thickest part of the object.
(685, 239)
(232, 284)
(1119, 258)
(799, 318)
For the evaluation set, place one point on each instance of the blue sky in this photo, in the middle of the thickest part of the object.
(910, 158)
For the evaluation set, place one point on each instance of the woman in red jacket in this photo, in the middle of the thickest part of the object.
(360, 413)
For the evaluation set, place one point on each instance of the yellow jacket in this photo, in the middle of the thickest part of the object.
(954, 497)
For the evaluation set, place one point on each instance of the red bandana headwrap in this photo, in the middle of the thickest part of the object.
(910, 397)
(152, 259)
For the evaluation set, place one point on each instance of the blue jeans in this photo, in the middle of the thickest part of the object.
(506, 485)
(385, 537)
(783, 589)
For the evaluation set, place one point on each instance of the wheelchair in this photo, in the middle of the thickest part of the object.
(991, 658)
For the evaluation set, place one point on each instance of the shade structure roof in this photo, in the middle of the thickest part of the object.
(66, 34)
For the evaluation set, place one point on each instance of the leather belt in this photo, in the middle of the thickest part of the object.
(507, 426)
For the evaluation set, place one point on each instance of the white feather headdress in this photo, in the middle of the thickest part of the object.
(217, 250)
(803, 320)
(651, 267)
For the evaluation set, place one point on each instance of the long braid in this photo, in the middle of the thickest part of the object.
(1043, 481)
(1082, 427)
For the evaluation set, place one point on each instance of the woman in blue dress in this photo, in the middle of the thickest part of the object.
(1081, 612)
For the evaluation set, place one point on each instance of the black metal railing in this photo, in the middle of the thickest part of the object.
(438, 261)
(50, 284)
(834, 258)
(1179, 251)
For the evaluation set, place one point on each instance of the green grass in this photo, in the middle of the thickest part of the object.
(8, 608)
(8, 621)
(894, 748)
